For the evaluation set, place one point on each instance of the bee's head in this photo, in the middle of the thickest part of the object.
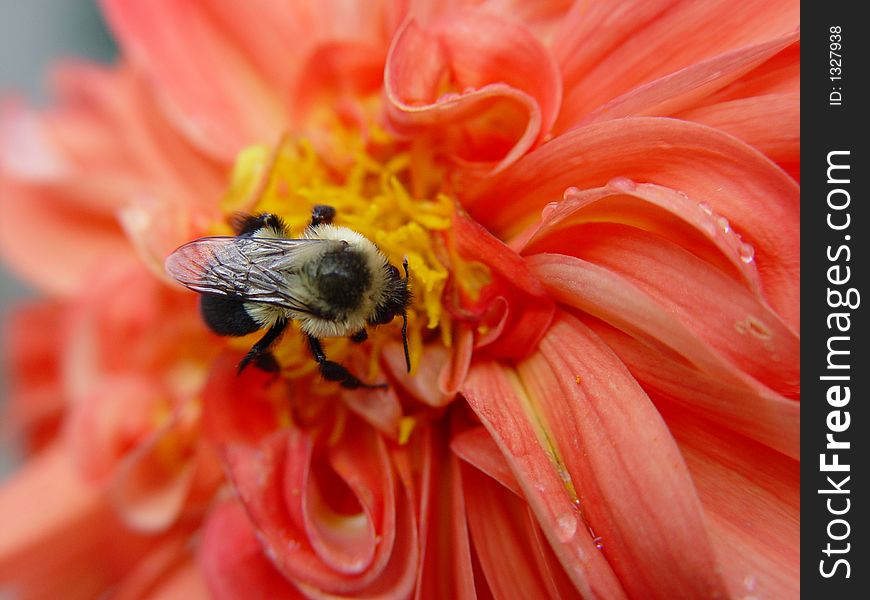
(394, 302)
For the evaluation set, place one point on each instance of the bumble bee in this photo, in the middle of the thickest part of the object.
(332, 280)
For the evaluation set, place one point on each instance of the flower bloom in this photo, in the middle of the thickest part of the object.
(599, 206)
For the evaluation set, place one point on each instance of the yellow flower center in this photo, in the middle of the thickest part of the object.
(371, 195)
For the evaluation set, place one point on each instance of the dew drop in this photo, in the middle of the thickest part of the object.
(706, 208)
(570, 193)
(724, 224)
(746, 252)
(566, 527)
(449, 96)
(599, 542)
(547, 211)
(622, 184)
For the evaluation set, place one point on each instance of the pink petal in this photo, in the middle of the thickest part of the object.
(751, 498)
(652, 289)
(736, 182)
(604, 48)
(213, 92)
(232, 559)
(751, 410)
(510, 88)
(682, 89)
(615, 455)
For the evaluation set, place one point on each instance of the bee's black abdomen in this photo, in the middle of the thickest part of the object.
(226, 316)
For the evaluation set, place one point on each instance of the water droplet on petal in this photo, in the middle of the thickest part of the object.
(746, 252)
(566, 527)
(448, 97)
(599, 542)
(622, 184)
(706, 208)
(547, 211)
(570, 193)
(724, 224)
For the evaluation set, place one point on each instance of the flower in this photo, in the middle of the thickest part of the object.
(599, 206)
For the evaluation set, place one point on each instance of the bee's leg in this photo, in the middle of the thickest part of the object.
(360, 336)
(322, 214)
(332, 371)
(258, 353)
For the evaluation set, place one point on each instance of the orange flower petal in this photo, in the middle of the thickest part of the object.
(504, 542)
(751, 498)
(648, 287)
(340, 529)
(492, 392)
(751, 410)
(516, 301)
(64, 527)
(610, 447)
(476, 447)
(735, 181)
(76, 239)
(213, 92)
(604, 48)
(770, 123)
(505, 86)
(682, 89)
(446, 561)
(665, 212)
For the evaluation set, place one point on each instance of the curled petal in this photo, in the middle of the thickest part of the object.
(333, 527)
(601, 443)
(735, 181)
(671, 214)
(507, 88)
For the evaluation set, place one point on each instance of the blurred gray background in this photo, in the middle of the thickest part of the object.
(33, 35)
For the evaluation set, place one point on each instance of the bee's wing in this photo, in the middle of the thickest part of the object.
(248, 268)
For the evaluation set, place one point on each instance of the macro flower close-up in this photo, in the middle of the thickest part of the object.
(408, 298)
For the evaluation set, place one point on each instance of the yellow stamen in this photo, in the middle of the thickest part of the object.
(372, 196)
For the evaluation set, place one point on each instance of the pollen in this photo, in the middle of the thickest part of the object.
(370, 185)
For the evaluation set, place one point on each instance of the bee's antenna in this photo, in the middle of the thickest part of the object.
(405, 319)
